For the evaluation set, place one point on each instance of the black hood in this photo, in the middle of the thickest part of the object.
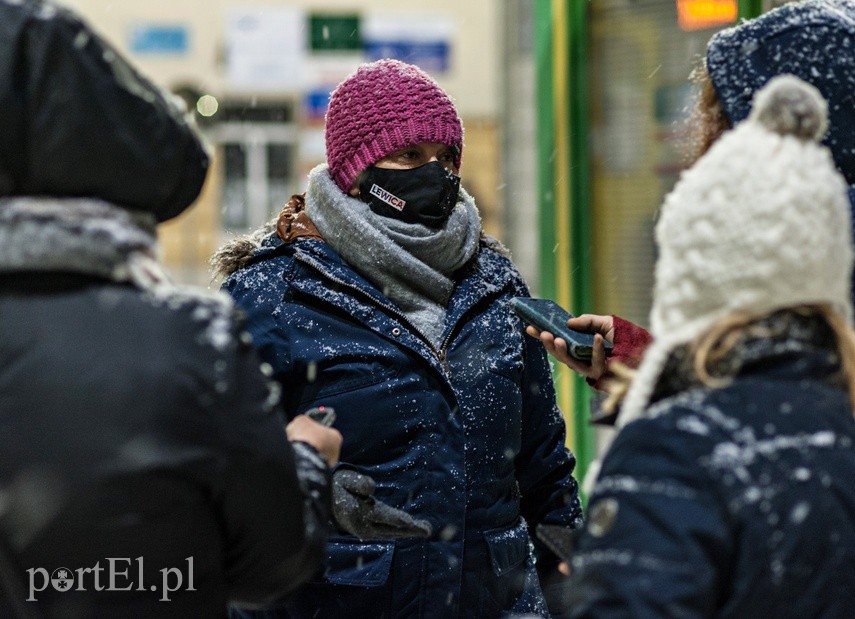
(76, 120)
(813, 40)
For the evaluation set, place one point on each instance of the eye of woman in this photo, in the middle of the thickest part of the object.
(411, 154)
(446, 156)
(406, 156)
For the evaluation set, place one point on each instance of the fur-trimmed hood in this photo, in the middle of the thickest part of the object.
(235, 254)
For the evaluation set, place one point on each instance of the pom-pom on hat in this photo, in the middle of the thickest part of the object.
(382, 107)
(760, 223)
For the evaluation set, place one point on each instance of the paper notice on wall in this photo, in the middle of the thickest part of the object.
(265, 48)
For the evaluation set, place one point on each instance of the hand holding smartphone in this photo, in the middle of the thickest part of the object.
(547, 315)
(317, 433)
(324, 415)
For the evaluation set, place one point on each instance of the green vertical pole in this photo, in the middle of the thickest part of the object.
(546, 146)
(561, 56)
(580, 213)
(746, 9)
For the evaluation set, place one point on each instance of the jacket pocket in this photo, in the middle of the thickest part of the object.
(357, 563)
(507, 547)
(340, 376)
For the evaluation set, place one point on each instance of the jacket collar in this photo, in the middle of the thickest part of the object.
(785, 345)
(82, 236)
(485, 275)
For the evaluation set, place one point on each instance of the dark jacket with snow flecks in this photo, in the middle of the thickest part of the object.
(467, 436)
(733, 502)
(138, 437)
(136, 427)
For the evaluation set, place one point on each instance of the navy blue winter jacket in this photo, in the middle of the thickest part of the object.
(731, 503)
(467, 436)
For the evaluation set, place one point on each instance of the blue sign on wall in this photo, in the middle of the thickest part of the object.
(432, 56)
(316, 101)
(159, 39)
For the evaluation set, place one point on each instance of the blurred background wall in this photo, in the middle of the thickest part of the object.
(572, 111)
(258, 75)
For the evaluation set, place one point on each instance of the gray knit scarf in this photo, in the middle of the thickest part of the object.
(411, 263)
(81, 236)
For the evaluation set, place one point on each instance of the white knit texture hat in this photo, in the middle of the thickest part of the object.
(761, 222)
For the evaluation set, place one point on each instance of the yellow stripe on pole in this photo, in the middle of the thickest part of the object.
(561, 163)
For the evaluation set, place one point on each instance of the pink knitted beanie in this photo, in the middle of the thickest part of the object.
(385, 106)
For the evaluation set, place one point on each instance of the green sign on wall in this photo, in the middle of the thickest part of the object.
(334, 32)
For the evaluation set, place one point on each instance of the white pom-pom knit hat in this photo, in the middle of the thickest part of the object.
(761, 222)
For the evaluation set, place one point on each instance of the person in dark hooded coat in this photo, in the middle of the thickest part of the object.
(144, 469)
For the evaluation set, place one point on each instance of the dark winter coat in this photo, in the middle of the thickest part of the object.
(733, 502)
(467, 436)
(138, 437)
(135, 426)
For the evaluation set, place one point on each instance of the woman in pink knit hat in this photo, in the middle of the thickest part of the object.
(377, 294)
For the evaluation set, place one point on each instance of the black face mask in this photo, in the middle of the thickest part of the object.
(424, 195)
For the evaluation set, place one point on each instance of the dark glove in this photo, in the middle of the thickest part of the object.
(555, 585)
(558, 538)
(356, 511)
(557, 589)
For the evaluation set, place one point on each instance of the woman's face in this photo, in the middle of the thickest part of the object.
(415, 156)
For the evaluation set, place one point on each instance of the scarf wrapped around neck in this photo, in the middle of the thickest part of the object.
(411, 264)
(79, 235)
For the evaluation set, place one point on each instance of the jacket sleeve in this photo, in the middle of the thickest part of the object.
(274, 501)
(630, 342)
(550, 494)
(655, 539)
(260, 306)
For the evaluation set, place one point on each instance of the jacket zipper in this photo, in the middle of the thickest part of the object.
(441, 353)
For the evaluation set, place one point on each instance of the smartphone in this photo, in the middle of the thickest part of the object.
(559, 539)
(322, 414)
(547, 315)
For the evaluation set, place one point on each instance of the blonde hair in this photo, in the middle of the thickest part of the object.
(717, 341)
(707, 120)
